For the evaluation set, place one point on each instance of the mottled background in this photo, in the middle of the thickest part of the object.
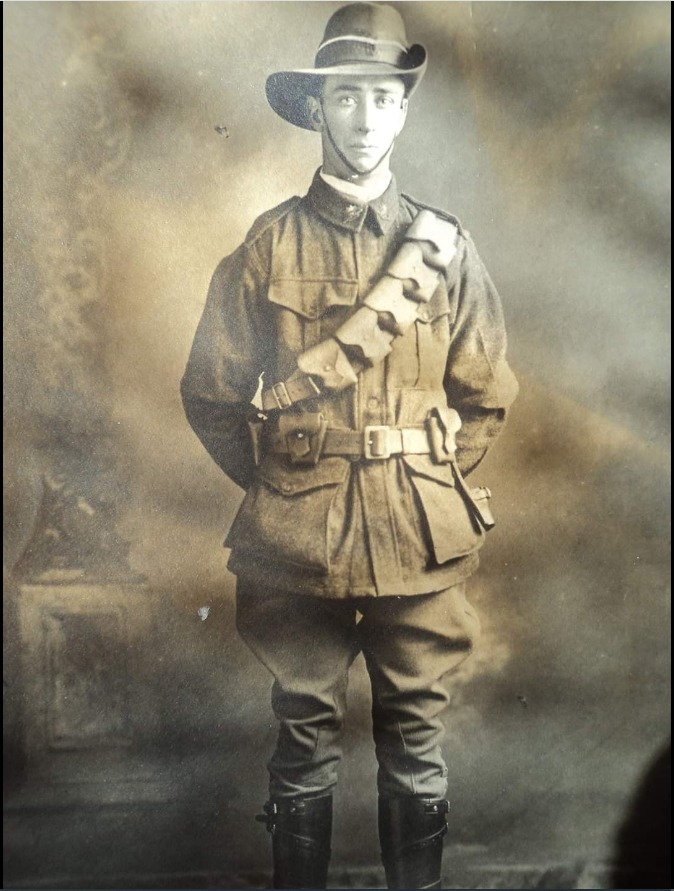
(545, 128)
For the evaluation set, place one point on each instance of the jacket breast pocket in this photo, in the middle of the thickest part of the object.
(310, 310)
(284, 516)
(452, 527)
(432, 342)
(419, 357)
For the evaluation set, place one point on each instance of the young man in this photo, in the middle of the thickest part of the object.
(381, 343)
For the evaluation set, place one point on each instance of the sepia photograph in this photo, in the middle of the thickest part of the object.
(336, 444)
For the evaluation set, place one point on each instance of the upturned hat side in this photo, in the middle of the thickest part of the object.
(359, 39)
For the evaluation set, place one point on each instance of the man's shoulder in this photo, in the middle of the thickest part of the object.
(270, 218)
(417, 205)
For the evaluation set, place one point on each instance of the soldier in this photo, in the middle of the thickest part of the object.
(379, 337)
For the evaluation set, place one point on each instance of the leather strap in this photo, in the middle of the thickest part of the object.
(286, 393)
(372, 443)
(477, 500)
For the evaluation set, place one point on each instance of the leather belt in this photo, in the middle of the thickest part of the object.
(372, 443)
(286, 393)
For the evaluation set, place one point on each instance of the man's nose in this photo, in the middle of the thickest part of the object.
(366, 116)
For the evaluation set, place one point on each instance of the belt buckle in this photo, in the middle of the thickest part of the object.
(271, 812)
(281, 395)
(376, 443)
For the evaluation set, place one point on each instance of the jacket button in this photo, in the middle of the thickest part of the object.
(287, 487)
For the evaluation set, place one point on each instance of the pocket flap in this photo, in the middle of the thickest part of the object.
(423, 466)
(295, 479)
(312, 298)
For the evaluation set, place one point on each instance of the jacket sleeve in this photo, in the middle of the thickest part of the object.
(227, 358)
(478, 381)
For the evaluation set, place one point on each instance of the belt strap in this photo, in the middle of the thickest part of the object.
(286, 393)
(372, 443)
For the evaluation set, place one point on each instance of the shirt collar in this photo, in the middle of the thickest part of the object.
(361, 192)
(339, 210)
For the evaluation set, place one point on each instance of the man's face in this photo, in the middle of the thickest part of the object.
(359, 118)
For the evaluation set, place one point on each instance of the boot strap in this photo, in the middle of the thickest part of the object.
(274, 810)
(428, 841)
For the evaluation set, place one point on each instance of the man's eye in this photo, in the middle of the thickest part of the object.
(385, 101)
(347, 100)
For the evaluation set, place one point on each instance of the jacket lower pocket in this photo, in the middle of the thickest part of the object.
(453, 529)
(284, 516)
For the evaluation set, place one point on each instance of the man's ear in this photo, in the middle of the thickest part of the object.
(315, 113)
(404, 105)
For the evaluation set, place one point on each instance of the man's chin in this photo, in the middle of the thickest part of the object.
(365, 166)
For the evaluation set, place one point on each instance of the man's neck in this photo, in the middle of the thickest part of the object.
(363, 192)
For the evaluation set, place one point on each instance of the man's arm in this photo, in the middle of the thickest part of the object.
(478, 381)
(225, 363)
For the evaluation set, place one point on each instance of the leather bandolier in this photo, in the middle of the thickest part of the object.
(388, 311)
(363, 340)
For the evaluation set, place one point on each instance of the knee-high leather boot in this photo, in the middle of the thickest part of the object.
(411, 832)
(301, 829)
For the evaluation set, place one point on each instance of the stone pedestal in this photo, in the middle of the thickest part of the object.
(89, 706)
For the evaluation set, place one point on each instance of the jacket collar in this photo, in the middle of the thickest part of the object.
(339, 210)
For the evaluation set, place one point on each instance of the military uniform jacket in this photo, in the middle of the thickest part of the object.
(341, 527)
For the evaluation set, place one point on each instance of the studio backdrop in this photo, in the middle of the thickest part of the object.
(139, 148)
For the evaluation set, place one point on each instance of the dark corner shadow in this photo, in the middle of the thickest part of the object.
(643, 856)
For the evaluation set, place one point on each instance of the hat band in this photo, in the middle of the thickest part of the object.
(345, 50)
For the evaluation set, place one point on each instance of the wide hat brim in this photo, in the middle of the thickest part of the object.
(287, 91)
